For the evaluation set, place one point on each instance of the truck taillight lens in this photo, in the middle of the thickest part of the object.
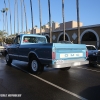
(53, 55)
(86, 53)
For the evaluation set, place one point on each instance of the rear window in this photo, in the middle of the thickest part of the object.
(30, 39)
(91, 48)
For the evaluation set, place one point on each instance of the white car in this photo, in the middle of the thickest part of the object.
(2, 48)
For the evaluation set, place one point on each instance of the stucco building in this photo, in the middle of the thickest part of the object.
(88, 34)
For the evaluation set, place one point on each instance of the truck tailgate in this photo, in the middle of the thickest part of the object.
(70, 51)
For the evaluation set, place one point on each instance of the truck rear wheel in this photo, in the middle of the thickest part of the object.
(35, 66)
(8, 59)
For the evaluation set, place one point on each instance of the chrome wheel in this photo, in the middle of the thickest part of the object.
(34, 65)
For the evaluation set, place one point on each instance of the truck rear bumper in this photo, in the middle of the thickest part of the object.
(72, 64)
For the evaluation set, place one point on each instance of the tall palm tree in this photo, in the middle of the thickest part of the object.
(31, 15)
(63, 18)
(40, 16)
(78, 20)
(17, 17)
(3, 11)
(25, 14)
(50, 21)
(10, 18)
(6, 19)
(21, 16)
(14, 15)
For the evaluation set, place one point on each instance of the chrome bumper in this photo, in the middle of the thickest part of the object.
(71, 64)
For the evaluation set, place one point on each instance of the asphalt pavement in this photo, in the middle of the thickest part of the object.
(78, 83)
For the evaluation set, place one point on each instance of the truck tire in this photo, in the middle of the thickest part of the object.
(35, 66)
(66, 68)
(8, 59)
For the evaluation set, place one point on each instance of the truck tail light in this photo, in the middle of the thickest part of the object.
(86, 53)
(53, 55)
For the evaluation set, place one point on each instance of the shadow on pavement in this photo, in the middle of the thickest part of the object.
(91, 93)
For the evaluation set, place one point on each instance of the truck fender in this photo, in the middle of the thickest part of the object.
(32, 53)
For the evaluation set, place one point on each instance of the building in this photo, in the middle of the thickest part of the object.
(88, 34)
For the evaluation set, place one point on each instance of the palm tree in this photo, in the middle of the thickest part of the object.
(17, 17)
(14, 16)
(6, 19)
(78, 20)
(21, 16)
(40, 16)
(3, 11)
(63, 18)
(31, 15)
(10, 18)
(25, 14)
(50, 21)
(36, 26)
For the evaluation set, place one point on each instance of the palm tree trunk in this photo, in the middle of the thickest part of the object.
(3, 21)
(63, 18)
(25, 14)
(40, 16)
(7, 23)
(50, 21)
(10, 18)
(78, 20)
(21, 16)
(17, 18)
(14, 15)
(31, 15)
(5, 16)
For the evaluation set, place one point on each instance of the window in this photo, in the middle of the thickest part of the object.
(30, 39)
(91, 48)
(17, 40)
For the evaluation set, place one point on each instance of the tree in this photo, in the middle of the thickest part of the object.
(17, 17)
(43, 26)
(31, 15)
(40, 16)
(10, 18)
(25, 14)
(50, 21)
(36, 26)
(21, 15)
(6, 19)
(78, 20)
(63, 18)
(2, 33)
(2, 36)
(3, 11)
(14, 15)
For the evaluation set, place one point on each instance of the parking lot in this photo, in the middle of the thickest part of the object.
(78, 83)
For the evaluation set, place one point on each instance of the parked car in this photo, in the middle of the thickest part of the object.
(38, 53)
(92, 54)
(2, 48)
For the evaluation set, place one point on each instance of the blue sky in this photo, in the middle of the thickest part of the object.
(89, 12)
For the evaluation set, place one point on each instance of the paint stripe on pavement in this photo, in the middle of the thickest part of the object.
(54, 85)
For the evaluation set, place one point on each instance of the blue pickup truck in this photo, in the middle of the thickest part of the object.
(35, 50)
